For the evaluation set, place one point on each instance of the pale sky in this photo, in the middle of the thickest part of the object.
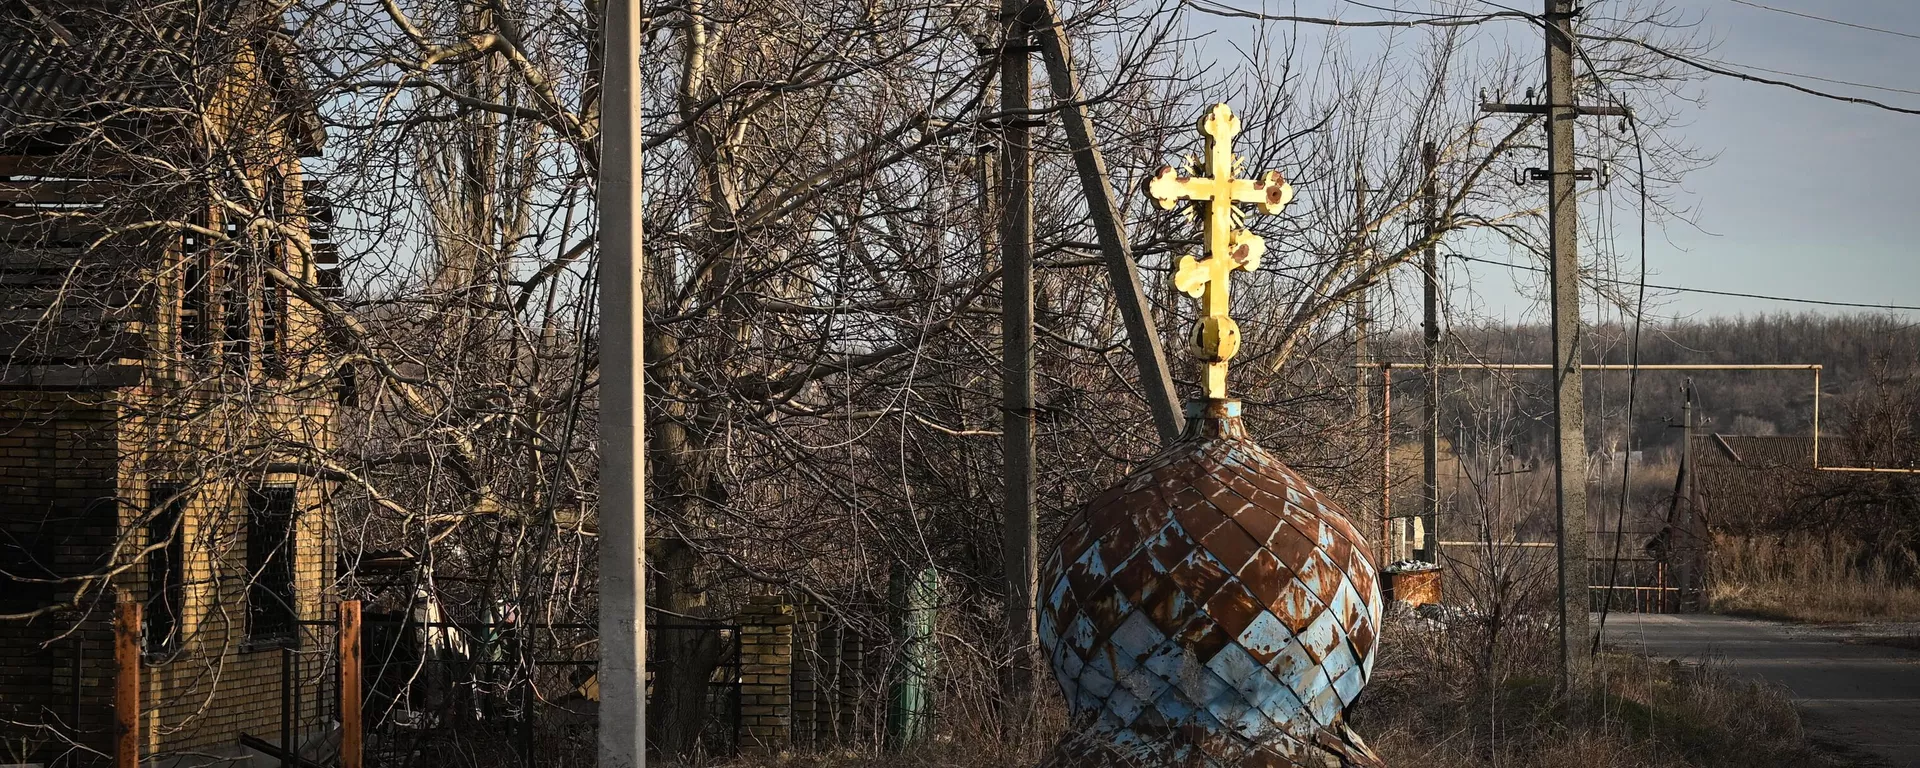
(1808, 198)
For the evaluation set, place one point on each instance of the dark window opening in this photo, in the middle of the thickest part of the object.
(272, 252)
(25, 572)
(272, 324)
(196, 331)
(166, 569)
(236, 306)
(271, 610)
(347, 390)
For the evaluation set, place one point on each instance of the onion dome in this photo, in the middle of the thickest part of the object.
(1211, 611)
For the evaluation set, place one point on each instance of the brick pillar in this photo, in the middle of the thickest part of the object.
(766, 675)
(807, 674)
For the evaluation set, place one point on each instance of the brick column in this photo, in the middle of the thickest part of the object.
(766, 675)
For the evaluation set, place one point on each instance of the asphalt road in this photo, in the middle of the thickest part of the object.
(1860, 697)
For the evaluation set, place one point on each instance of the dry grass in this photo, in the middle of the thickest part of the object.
(1431, 709)
(1434, 705)
(1805, 579)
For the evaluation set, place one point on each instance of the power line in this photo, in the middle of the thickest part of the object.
(1803, 75)
(1684, 289)
(1435, 20)
(1706, 66)
(1750, 4)
(1217, 8)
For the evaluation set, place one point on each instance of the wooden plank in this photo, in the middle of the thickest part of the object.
(100, 376)
(70, 344)
(62, 191)
(126, 689)
(350, 720)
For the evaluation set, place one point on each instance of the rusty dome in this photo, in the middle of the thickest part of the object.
(1211, 610)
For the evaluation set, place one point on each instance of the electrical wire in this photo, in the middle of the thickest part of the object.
(1705, 66)
(1710, 292)
(1633, 380)
(1751, 4)
(1802, 75)
(1215, 8)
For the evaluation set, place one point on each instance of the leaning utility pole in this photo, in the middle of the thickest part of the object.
(1430, 277)
(1570, 445)
(622, 513)
(1016, 329)
(1156, 382)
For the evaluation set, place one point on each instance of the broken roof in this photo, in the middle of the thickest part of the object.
(62, 60)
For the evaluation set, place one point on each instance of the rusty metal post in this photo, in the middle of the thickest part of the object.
(289, 751)
(1430, 333)
(350, 686)
(1816, 417)
(126, 688)
(1389, 547)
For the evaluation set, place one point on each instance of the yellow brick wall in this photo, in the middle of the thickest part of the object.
(83, 464)
(57, 481)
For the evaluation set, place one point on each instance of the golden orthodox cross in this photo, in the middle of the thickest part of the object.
(1230, 247)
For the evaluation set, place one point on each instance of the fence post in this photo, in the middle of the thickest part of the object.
(289, 750)
(349, 686)
(126, 689)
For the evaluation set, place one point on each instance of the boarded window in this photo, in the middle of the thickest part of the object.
(166, 568)
(271, 614)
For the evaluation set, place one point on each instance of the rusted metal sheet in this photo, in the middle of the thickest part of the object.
(126, 685)
(351, 724)
(1415, 587)
(1212, 609)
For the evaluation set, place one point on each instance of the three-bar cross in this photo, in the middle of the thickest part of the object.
(1230, 247)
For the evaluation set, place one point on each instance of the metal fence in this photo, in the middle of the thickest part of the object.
(442, 694)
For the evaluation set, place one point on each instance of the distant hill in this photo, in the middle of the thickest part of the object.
(1515, 407)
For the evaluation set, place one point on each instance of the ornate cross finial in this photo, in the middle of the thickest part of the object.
(1214, 191)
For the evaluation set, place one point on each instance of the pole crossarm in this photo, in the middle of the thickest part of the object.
(1584, 110)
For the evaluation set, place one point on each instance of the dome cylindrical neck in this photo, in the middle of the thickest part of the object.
(1214, 419)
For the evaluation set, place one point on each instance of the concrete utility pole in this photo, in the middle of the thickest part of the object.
(1569, 401)
(1016, 329)
(1693, 554)
(1363, 374)
(1430, 274)
(1570, 446)
(1570, 422)
(1143, 337)
(623, 527)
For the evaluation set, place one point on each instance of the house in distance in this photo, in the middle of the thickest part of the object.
(161, 380)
